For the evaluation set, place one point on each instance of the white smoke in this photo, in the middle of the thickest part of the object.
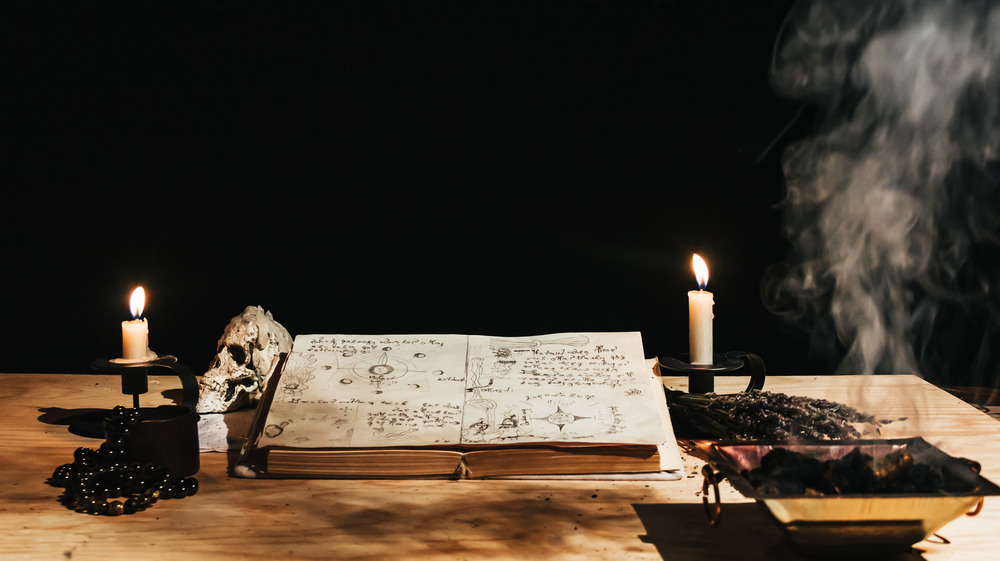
(891, 207)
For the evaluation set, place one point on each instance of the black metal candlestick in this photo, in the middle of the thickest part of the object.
(166, 435)
(701, 377)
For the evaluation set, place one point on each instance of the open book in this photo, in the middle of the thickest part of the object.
(382, 406)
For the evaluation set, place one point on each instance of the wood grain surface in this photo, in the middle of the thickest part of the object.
(232, 518)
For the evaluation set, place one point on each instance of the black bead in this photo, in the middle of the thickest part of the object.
(153, 472)
(84, 454)
(114, 442)
(81, 480)
(106, 453)
(190, 486)
(63, 474)
(96, 506)
(128, 482)
(131, 506)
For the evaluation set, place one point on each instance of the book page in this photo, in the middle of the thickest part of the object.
(369, 390)
(585, 388)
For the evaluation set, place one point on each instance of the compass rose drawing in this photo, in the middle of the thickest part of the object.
(380, 372)
(561, 418)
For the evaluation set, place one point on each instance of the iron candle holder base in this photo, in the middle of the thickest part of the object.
(701, 377)
(166, 435)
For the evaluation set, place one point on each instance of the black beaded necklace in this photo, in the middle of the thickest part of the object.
(95, 476)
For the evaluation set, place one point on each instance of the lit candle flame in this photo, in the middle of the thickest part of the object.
(137, 302)
(700, 271)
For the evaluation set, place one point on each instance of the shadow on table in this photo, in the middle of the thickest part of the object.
(74, 419)
(746, 531)
(89, 422)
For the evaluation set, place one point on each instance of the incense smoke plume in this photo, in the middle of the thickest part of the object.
(892, 207)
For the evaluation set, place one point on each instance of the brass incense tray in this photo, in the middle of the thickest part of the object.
(837, 524)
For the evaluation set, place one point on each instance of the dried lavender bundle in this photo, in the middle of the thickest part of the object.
(763, 415)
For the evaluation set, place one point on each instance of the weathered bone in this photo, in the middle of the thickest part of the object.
(246, 353)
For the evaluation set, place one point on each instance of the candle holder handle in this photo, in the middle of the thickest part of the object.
(701, 377)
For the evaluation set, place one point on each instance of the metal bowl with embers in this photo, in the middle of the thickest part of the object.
(849, 496)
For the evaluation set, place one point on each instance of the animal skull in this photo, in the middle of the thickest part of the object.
(246, 354)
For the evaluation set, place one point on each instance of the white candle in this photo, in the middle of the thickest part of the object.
(700, 315)
(135, 333)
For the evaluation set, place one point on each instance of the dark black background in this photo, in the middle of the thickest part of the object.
(504, 168)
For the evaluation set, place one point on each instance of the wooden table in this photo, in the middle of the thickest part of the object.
(232, 518)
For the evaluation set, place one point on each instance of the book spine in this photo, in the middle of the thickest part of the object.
(246, 460)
